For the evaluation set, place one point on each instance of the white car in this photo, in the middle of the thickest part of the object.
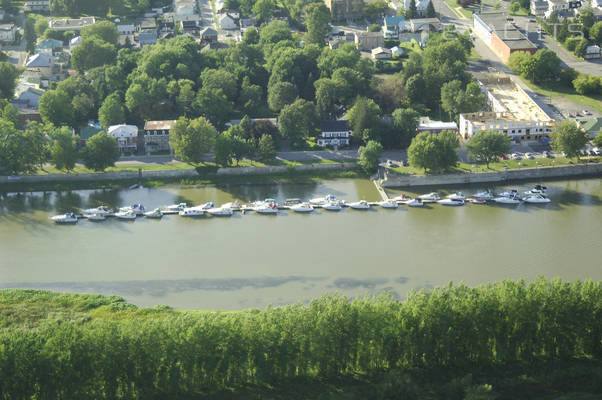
(585, 112)
(516, 156)
(529, 156)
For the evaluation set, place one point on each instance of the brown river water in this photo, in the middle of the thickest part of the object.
(251, 260)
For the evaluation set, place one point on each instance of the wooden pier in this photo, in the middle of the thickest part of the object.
(380, 190)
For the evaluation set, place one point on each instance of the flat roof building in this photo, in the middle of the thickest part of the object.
(71, 24)
(501, 35)
(513, 112)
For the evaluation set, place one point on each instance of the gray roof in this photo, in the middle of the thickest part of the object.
(335, 126)
(507, 32)
(39, 61)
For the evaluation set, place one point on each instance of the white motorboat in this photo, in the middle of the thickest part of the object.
(207, 206)
(332, 206)
(318, 201)
(156, 213)
(456, 196)
(388, 204)
(537, 189)
(125, 215)
(451, 202)
(292, 202)
(514, 199)
(430, 197)
(415, 203)
(174, 208)
(536, 198)
(486, 195)
(102, 210)
(96, 217)
(264, 208)
(234, 206)
(402, 198)
(191, 212)
(64, 219)
(360, 205)
(137, 209)
(511, 193)
(220, 212)
(302, 208)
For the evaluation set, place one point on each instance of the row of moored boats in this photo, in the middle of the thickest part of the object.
(329, 203)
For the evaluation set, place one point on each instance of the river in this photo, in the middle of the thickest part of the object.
(250, 260)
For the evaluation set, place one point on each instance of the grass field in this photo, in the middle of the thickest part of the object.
(555, 91)
(453, 4)
(498, 166)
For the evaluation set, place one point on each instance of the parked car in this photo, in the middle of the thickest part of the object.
(585, 112)
(597, 152)
(516, 156)
(530, 156)
(406, 164)
(390, 164)
(549, 154)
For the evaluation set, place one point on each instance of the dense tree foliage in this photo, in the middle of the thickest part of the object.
(542, 67)
(101, 152)
(488, 145)
(8, 83)
(92, 52)
(124, 352)
(436, 153)
(369, 156)
(192, 139)
(64, 149)
(568, 138)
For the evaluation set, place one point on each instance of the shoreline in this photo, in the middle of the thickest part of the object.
(394, 180)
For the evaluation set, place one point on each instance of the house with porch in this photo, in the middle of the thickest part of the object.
(156, 135)
(126, 136)
(334, 133)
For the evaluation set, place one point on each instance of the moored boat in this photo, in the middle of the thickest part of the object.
(267, 209)
(415, 203)
(234, 206)
(485, 195)
(402, 198)
(513, 199)
(102, 210)
(192, 212)
(537, 189)
(302, 208)
(456, 196)
(125, 215)
(360, 205)
(220, 212)
(478, 201)
(96, 217)
(430, 197)
(451, 202)
(174, 208)
(388, 204)
(318, 201)
(332, 206)
(65, 219)
(156, 213)
(137, 209)
(536, 198)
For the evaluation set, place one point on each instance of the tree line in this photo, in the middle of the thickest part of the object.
(160, 353)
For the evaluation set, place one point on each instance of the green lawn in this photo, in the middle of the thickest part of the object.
(498, 166)
(453, 4)
(521, 11)
(555, 91)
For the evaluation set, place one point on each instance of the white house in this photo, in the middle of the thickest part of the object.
(396, 51)
(126, 135)
(226, 22)
(592, 52)
(334, 133)
(74, 42)
(40, 64)
(37, 5)
(539, 7)
(381, 53)
(128, 29)
(421, 6)
(7, 33)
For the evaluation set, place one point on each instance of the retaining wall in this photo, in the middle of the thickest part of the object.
(179, 173)
(396, 180)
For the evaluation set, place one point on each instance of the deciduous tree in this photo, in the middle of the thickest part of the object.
(64, 149)
(488, 145)
(569, 138)
(369, 155)
(362, 116)
(101, 152)
(8, 83)
(297, 120)
(112, 111)
(192, 139)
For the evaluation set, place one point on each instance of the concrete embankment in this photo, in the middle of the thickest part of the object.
(166, 174)
(397, 180)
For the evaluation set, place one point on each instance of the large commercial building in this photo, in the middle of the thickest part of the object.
(501, 35)
(70, 24)
(513, 112)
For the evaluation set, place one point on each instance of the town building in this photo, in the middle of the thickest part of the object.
(88, 131)
(37, 5)
(2, 14)
(344, 9)
(226, 22)
(381, 53)
(501, 35)
(126, 136)
(147, 38)
(184, 8)
(539, 7)
(425, 124)
(334, 133)
(127, 29)
(8, 33)
(246, 23)
(513, 112)
(70, 24)
(592, 52)
(208, 35)
(40, 65)
(424, 25)
(366, 41)
(49, 46)
(392, 26)
(421, 6)
(27, 97)
(156, 135)
(397, 51)
(74, 42)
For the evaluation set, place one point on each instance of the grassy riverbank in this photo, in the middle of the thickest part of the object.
(508, 340)
(207, 176)
(502, 165)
